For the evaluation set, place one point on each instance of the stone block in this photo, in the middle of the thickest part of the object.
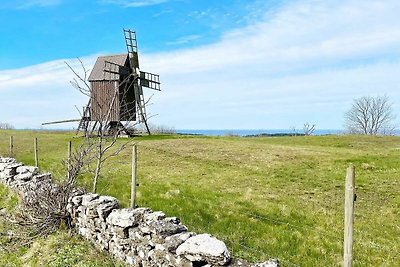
(75, 200)
(86, 198)
(154, 216)
(174, 241)
(119, 232)
(25, 169)
(45, 177)
(125, 217)
(26, 176)
(204, 248)
(166, 228)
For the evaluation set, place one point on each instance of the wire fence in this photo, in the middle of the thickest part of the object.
(322, 233)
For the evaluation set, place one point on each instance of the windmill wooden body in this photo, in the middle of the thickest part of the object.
(116, 89)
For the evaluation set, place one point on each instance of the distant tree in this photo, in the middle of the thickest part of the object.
(370, 116)
(293, 130)
(308, 129)
(6, 126)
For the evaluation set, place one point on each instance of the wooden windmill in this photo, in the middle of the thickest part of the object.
(117, 89)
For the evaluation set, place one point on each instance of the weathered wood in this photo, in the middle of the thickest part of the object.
(133, 183)
(63, 121)
(69, 159)
(349, 216)
(35, 146)
(11, 146)
(104, 103)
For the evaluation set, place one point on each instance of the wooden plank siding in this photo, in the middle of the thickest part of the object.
(103, 101)
(127, 103)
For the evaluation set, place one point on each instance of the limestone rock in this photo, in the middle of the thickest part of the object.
(124, 218)
(204, 248)
(11, 169)
(2, 166)
(25, 176)
(7, 160)
(25, 169)
(41, 177)
(76, 200)
(154, 216)
(166, 228)
(174, 241)
(101, 207)
(105, 208)
(86, 198)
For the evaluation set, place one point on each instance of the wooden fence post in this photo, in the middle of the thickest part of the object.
(35, 146)
(133, 183)
(69, 159)
(349, 216)
(11, 146)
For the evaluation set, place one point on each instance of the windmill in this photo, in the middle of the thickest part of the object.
(116, 91)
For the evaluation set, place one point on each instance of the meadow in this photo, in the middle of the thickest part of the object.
(266, 197)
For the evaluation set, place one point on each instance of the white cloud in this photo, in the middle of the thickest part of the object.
(134, 3)
(25, 4)
(41, 93)
(304, 62)
(185, 39)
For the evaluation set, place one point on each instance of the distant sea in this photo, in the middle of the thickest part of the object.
(246, 132)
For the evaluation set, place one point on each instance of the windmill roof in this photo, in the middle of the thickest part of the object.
(98, 73)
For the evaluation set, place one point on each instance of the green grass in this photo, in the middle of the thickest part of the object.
(265, 197)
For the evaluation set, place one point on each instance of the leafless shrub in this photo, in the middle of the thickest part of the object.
(308, 129)
(100, 137)
(45, 209)
(42, 211)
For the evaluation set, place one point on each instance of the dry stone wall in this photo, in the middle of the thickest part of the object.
(138, 237)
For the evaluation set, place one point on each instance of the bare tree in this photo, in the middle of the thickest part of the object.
(293, 130)
(99, 142)
(308, 129)
(370, 116)
(6, 126)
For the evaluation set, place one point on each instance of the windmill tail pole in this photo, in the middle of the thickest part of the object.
(58, 122)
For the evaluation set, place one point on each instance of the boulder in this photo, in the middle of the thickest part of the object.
(25, 169)
(101, 207)
(125, 217)
(104, 209)
(174, 241)
(7, 160)
(25, 176)
(154, 216)
(205, 248)
(166, 228)
(86, 198)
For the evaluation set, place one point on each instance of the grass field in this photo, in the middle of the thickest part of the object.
(280, 197)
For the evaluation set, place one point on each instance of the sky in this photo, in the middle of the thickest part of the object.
(238, 64)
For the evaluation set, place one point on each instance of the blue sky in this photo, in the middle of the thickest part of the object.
(223, 64)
